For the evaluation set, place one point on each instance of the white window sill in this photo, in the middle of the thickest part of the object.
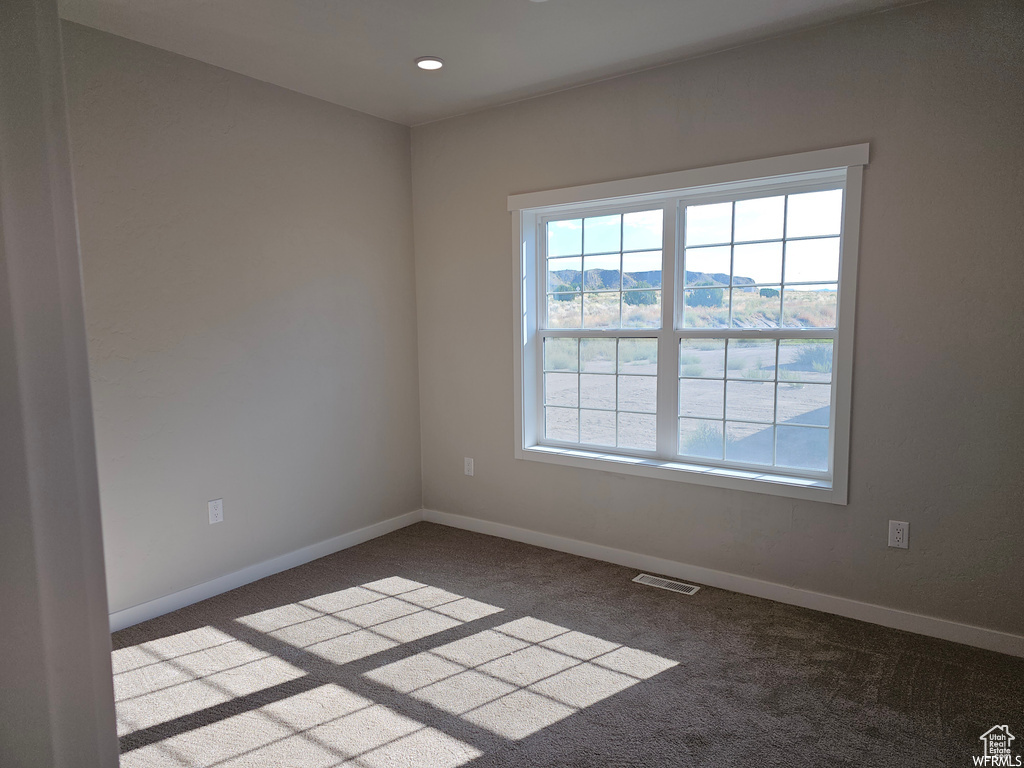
(740, 480)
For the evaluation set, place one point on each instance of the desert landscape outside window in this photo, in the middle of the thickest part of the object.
(696, 329)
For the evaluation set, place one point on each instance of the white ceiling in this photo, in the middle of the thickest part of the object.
(360, 53)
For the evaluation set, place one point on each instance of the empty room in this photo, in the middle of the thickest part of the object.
(469, 383)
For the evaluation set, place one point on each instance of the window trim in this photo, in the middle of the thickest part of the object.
(843, 164)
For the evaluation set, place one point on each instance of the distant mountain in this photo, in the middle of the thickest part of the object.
(608, 279)
(715, 279)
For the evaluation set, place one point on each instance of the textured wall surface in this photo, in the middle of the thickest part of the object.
(938, 411)
(247, 258)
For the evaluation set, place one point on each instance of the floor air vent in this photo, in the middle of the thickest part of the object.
(672, 586)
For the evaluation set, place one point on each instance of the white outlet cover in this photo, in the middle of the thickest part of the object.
(216, 509)
(899, 534)
(469, 466)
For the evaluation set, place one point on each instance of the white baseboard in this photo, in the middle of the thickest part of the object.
(172, 602)
(967, 634)
(980, 637)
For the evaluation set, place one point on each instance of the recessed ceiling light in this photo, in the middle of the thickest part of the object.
(429, 62)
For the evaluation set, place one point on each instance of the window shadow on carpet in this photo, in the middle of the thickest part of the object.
(393, 672)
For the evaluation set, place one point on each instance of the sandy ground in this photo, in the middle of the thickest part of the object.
(604, 407)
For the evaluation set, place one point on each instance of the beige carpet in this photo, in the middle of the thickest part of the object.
(435, 648)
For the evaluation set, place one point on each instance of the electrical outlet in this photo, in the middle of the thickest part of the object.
(469, 466)
(216, 508)
(899, 534)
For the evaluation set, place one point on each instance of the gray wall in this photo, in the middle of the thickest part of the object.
(56, 693)
(247, 257)
(938, 91)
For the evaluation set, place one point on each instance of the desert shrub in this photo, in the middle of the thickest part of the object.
(706, 440)
(769, 293)
(560, 356)
(638, 351)
(575, 287)
(757, 373)
(705, 297)
(640, 297)
(811, 309)
(816, 357)
(693, 370)
(706, 345)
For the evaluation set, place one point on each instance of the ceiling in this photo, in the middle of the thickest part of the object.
(360, 53)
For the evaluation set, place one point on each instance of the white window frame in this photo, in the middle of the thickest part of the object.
(841, 166)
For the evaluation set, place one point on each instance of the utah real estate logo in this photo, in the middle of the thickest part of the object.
(998, 749)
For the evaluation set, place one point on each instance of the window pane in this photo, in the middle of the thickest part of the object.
(809, 360)
(597, 355)
(813, 261)
(762, 263)
(752, 359)
(706, 308)
(565, 238)
(641, 270)
(804, 404)
(802, 448)
(702, 358)
(759, 219)
(815, 213)
(749, 443)
(641, 231)
(597, 427)
(757, 263)
(562, 424)
(597, 391)
(601, 310)
(638, 393)
(708, 266)
(561, 389)
(750, 400)
(564, 310)
(757, 307)
(638, 430)
(641, 309)
(638, 356)
(565, 274)
(701, 398)
(708, 224)
(601, 234)
(700, 438)
(810, 306)
(561, 355)
(601, 273)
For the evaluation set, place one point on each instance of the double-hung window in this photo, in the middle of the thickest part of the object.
(695, 326)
